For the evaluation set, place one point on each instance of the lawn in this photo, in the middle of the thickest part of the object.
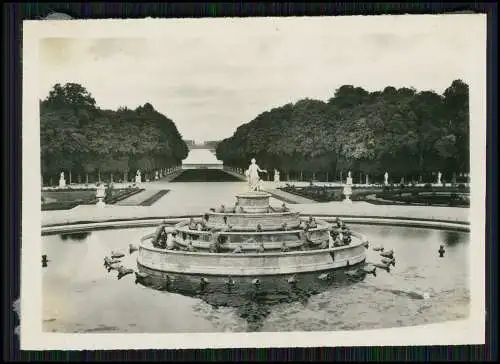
(68, 199)
(424, 195)
(326, 194)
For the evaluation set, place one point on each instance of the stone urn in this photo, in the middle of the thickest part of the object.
(100, 194)
(348, 189)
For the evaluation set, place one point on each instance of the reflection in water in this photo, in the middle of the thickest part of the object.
(451, 238)
(254, 303)
(79, 295)
(410, 232)
(77, 236)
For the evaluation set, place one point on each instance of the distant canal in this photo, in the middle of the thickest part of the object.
(205, 175)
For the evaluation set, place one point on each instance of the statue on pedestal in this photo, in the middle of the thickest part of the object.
(386, 178)
(348, 188)
(100, 194)
(276, 176)
(138, 178)
(439, 178)
(252, 174)
(349, 179)
(62, 181)
(157, 175)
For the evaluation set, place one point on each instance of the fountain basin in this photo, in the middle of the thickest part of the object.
(222, 288)
(446, 279)
(253, 225)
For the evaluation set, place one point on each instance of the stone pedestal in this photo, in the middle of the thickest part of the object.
(347, 198)
(348, 190)
(254, 202)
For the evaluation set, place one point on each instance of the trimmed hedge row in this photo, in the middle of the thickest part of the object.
(154, 198)
(63, 205)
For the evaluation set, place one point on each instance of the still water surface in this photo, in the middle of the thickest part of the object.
(79, 295)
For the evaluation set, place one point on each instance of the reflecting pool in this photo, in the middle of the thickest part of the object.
(79, 295)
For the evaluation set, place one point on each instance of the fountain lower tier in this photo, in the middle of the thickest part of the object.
(253, 265)
(219, 286)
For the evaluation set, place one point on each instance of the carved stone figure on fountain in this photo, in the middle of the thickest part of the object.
(252, 174)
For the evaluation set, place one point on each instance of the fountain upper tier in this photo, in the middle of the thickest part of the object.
(253, 202)
(252, 209)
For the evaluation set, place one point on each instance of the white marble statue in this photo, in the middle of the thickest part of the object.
(157, 175)
(349, 178)
(62, 181)
(138, 178)
(276, 176)
(439, 175)
(386, 178)
(348, 188)
(253, 175)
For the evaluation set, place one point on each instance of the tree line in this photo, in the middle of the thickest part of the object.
(83, 140)
(409, 133)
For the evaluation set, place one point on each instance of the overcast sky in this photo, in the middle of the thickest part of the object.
(209, 77)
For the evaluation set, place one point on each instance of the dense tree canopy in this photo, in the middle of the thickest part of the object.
(79, 137)
(411, 134)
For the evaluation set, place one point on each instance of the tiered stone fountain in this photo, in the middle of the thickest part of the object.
(247, 244)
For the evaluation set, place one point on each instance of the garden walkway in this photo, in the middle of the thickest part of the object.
(86, 213)
(288, 197)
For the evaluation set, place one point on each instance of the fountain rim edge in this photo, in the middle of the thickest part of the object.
(131, 223)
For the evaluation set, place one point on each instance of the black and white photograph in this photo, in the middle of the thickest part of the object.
(253, 182)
